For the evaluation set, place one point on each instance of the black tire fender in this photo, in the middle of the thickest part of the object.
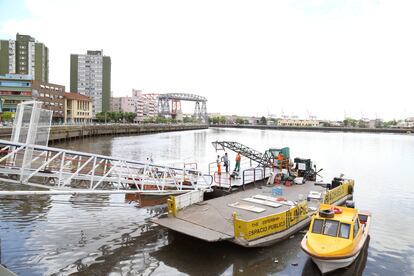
(326, 213)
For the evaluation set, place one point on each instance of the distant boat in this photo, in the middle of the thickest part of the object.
(336, 236)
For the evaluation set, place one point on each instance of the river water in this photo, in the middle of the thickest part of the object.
(104, 235)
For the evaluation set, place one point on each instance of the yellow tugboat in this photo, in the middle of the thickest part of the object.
(336, 236)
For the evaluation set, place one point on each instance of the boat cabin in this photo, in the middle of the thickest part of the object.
(339, 222)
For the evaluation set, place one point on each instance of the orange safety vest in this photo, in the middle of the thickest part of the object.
(238, 157)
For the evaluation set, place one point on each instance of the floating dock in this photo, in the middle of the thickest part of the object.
(256, 217)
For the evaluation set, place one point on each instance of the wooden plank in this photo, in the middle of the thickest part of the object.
(263, 202)
(273, 199)
(247, 207)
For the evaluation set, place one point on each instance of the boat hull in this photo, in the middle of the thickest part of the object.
(326, 266)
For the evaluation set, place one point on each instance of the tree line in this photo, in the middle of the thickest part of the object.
(115, 117)
(129, 117)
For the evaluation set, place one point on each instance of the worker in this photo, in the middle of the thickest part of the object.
(225, 160)
(218, 165)
(280, 159)
(238, 159)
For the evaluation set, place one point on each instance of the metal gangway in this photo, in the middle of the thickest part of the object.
(60, 171)
(262, 159)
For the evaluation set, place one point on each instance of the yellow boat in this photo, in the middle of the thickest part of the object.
(336, 236)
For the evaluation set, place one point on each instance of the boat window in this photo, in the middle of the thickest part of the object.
(356, 227)
(344, 230)
(331, 227)
(317, 226)
(362, 218)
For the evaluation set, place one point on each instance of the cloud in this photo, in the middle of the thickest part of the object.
(246, 57)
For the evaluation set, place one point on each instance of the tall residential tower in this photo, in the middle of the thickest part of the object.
(24, 56)
(90, 75)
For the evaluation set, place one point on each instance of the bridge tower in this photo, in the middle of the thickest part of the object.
(163, 106)
(200, 110)
(176, 108)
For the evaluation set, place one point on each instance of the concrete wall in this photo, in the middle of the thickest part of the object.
(322, 129)
(73, 132)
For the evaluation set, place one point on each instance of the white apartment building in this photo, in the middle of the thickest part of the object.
(90, 76)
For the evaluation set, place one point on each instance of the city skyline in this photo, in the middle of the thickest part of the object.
(325, 58)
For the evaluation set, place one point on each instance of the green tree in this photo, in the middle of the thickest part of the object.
(349, 122)
(149, 120)
(130, 116)
(190, 120)
(100, 117)
(8, 116)
(222, 120)
(263, 120)
(390, 123)
(214, 120)
(239, 121)
(362, 124)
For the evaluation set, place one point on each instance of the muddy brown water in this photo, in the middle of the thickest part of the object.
(107, 235)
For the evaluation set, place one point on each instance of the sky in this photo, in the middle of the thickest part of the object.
(324, 58)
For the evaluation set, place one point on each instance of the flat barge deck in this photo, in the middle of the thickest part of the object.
(252, 218)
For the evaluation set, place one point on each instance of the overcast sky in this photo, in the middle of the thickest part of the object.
(326, 58)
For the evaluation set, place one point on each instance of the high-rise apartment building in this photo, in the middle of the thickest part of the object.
(24, 56)
(90, 75)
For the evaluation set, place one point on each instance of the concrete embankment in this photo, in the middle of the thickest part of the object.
(78, 131)
(331, 129)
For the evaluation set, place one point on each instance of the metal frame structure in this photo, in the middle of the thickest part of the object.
(59, 169)
(200, 112)
(262, 159)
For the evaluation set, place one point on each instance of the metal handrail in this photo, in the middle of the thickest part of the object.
(86, 171)
(254, 174)
(216, 175)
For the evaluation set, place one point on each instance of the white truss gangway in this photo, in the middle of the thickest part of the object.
(65, 171)
(59, 169)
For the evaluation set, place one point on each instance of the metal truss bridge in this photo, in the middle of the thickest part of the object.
(170, 104)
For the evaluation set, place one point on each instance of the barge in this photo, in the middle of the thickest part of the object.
(256, 217)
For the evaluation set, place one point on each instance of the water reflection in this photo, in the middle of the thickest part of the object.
(101, 235)
(95, 201)
(23, 208)
(129, 254)
(192, 256)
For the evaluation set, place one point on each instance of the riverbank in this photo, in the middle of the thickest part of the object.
(330, 129)
(67, 132)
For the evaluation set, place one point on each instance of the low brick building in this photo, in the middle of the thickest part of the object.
(52, 98)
